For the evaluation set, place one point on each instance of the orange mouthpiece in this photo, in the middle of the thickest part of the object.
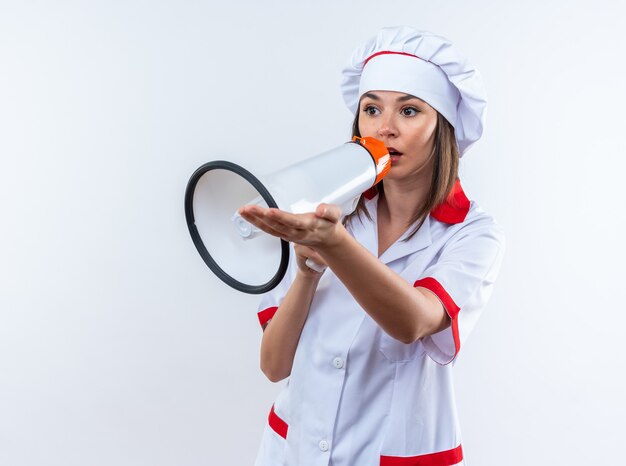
(379, 153)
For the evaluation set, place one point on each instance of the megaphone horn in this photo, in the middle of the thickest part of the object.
(247, 258)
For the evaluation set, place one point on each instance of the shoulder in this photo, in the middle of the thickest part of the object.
(477, 225)
(479, 220)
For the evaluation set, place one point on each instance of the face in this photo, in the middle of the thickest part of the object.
(406, 125)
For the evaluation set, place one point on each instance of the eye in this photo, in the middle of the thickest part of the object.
(409, 111)
(371, 110)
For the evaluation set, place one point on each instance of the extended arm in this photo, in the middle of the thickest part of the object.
(403, 312)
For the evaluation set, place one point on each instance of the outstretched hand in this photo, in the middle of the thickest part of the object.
(317, 230)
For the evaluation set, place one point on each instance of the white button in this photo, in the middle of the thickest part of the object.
(338, 363)
(324, 445)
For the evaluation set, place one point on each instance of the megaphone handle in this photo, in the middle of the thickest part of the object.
(310, 263)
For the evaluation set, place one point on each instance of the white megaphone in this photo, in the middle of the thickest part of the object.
(247, 258)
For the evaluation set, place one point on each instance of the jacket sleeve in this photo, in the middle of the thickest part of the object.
(462, 278)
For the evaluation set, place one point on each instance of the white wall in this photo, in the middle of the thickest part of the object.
(118, 346)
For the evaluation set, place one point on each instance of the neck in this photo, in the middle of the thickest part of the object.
(402, 199)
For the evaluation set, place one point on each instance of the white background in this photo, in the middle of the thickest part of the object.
(117, 344)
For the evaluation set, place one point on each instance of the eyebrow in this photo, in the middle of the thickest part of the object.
(402, 98)
(406, 97)
(371, 96)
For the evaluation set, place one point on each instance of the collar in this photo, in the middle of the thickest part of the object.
(367, 234)
(453, 210)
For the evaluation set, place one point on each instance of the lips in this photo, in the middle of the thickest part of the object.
(393, 152)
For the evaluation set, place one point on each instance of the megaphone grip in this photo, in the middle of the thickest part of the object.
(310, 263)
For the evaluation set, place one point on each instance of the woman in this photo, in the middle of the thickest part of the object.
(367, 343)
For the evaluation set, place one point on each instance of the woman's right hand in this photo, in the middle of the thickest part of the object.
(302, 254)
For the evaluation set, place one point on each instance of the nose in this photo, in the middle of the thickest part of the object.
(387, 128)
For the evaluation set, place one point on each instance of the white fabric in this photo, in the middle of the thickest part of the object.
(411, 75)
(387, 397)
(438, 52)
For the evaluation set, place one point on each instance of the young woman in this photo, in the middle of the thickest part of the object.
(367, 344)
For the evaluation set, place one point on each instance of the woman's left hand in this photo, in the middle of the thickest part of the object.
(318, 229)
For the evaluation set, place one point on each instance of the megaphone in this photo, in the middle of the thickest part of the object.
(247, 258)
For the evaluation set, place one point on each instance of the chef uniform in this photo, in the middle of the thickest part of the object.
(355, 395)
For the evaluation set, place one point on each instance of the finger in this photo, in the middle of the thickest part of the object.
(272, 216)
(330, 212)
(274, 221)
(305, 251)
(292, 227)
(275, 216)
(271, 231)
(313, 265)
(318, 259)
(260, 222)
(289, 220)
(298, 226)
(253, 209)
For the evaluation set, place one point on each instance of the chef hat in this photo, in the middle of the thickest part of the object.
(425, 65)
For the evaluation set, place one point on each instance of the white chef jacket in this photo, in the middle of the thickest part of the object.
(357, 396)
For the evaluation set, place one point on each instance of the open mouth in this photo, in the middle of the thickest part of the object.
(394, 154)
